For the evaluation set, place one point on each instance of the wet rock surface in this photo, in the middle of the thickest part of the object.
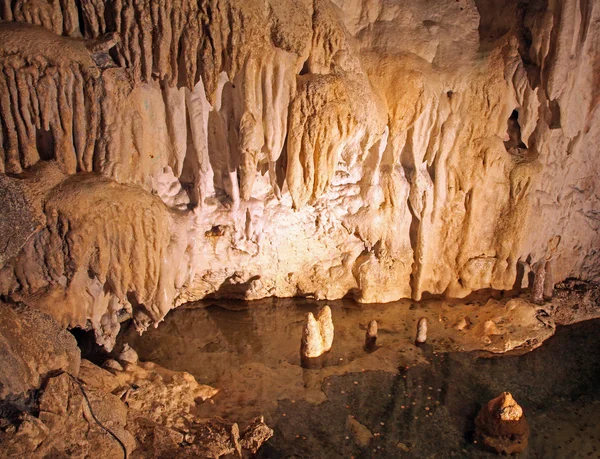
(427, 397)
(54, 404)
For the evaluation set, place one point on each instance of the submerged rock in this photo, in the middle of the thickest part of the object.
(502, 426)
(362, 435)
(254, 436)
(317, 336)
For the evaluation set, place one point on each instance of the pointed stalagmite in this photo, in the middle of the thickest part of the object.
(502, 426)
(326, 327)
(317, 336)
(422, 330)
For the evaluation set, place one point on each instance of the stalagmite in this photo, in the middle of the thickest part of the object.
(421, 330)
(502, 426)
(371, 335)
(317, 335)
(548, 282)
(248, 231)
(539, 281)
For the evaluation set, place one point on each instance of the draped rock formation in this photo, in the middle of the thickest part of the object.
(166, 151)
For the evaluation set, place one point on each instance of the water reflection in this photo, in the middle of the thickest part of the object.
(415, 402)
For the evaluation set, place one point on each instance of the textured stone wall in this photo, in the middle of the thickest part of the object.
(364, 148)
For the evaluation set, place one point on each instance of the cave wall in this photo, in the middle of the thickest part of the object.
(156, 152)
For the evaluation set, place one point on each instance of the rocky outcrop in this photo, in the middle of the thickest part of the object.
(328, 148)
(33, 347)
(105, 249)
(575, 301)
(54, 403)
(143, 411)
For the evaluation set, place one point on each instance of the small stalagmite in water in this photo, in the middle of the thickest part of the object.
(422, 330)
(371, 335)
(317, 335)
(501, 425)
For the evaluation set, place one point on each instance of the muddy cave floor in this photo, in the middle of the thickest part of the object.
(416, 402)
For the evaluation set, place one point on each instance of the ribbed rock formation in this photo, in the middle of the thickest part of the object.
(360, 148)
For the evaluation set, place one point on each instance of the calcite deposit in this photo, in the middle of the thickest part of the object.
(53, 403)
(421, 331)
(371, 335)
(159, 152)
(502, 426)
(317, 334)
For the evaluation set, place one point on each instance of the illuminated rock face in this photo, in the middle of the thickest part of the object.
(379, 150)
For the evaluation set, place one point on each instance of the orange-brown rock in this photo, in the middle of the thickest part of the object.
(501, 425)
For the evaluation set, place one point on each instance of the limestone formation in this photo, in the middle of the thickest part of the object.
(112, 365)
(32, 346)
(548, 282)
(372, 149)
(128, 355)
(154, 153)
(254, 436)
(539, 281)
(502, 426)
(421, 330)
(371, 335)
(142, 411)
(317, 335)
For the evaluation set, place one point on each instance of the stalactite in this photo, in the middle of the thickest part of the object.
(42, 95)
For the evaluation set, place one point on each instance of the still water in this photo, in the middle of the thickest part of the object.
(415, 402)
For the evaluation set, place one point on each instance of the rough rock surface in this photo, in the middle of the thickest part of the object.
(575, 301)
(33, 346)
(326, 148)
(144, 411)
